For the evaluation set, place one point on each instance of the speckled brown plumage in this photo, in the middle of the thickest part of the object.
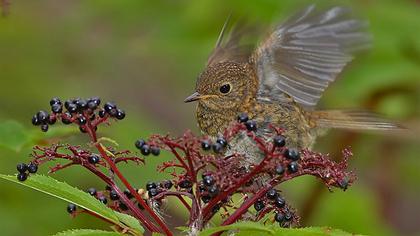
(281, 80)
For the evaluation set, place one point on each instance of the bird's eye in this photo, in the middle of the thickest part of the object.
(225, 88)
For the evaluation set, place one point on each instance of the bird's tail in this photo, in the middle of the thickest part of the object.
(353, 119)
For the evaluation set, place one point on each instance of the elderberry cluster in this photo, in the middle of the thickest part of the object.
(217, 147)
(274, 200)
(208, 187)
(83, 112)
(153, 188)
(25, 169)
(146, 149)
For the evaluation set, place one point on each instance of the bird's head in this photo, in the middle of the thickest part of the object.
(224, 86)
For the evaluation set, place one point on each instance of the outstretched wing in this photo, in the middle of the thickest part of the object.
(306, 53)
(232, 47)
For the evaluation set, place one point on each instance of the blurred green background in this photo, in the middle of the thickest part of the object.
(145, 56)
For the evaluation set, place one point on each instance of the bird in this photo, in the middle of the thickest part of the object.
(280, 79)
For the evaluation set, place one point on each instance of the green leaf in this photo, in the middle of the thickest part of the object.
(253, 228)
(130, 221)
(13, 135)
(87, 232)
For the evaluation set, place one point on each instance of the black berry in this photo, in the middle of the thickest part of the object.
(71, 208)
(292, 154)
(113, 195)
(92, 191)
(103, 199)
(22, 167)
(155, 151)
(279, 169)
(288, 216)
(109, 106)
(150, 185)
(259, 205)
(208, 180)
(213, 191)
(185, 183)
(44, 128)
(139, 143)
(66, 118)
(102, 113)
(344, 183)
(271, 194)
(279, 202)
(293, 167)
(145, 150)
(72, 108)
(93, 159)
(54, 101)
(222, 142)
(206, 198)
(251, 125)
(243, 117)
(93, 103)
(205, 145)
(22, 176)
(128, 194)
(57, 108)
(120, 114)
(32, 168)
(153, 192)
(42, 116)
(279, 217)
(279, 141)
(122, 206)
(81, 104)
(81, 120)
(167, 184)
(35, 120)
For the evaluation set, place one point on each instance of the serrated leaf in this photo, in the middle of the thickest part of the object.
(13, 135)
(130, 221)
(253, 228)
(87, 232)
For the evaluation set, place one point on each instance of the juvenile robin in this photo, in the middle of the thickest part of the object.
(282, 79)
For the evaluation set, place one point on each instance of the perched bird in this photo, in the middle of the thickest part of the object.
(282, 79)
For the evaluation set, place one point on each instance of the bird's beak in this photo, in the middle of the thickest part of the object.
(193, 97)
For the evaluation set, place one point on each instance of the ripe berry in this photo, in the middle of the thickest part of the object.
(81, 120)
(259, 205)
(271, 194)
(153, 192)
(222, 142)
(82, 129)
(279, 169)
(113, 195)
(54, 101)
(103, 199)
(293, 167)
(71, 208)
(288, 216)
(102, 113)
(185, 183)
(279, 141)
(44, 128)
(22, 176)
(208, 180)
(56, 108)
(155, 151)
(243, 117)
(344, 183)
(251, 125)
(93, 103)
(92, 191)
(93, 159)
(32, 168)
(206, 198)
(122, 206)
(22, 167)
(66, 118)
(145, 150)
(81, 104)
(279, 202)
(205, 145)
(213, 191)
(139, 143)
(72, 108)
(217, 147)
(42, 116)
(109, 106)
(120, 114)
(292, 154)
(67, 103)
(35, 120)
(128, 194)
(150, 185)
(167, 184)
(279, 217)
